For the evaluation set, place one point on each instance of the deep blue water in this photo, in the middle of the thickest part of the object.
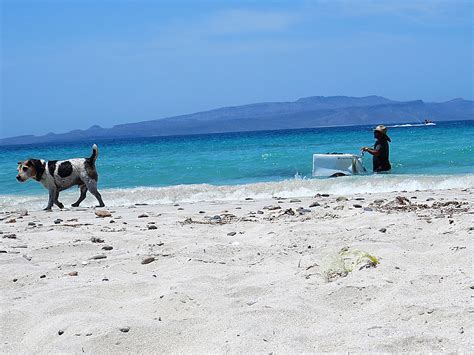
(241, 158)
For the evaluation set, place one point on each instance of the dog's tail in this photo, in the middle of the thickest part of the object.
(95, 153)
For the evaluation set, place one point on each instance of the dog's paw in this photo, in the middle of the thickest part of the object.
(75, 205)
(60, 205)
(48, 209)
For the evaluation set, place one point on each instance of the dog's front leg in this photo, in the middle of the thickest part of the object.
(56, 200)
(52, 198)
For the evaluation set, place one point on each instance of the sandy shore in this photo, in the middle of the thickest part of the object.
(242, 276)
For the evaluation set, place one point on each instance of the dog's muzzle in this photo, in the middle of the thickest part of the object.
(19, 178)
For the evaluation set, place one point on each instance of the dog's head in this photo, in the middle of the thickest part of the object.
(30, 169)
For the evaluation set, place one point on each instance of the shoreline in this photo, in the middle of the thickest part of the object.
(248, 275)
(297, 187)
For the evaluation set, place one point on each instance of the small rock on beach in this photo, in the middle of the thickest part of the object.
(98, 257)
(103, 213)
(148, 260)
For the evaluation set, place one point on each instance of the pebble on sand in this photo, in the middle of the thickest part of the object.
(148, 260)
(382, 230)
(73, 273)
(103, 214)
(231, 234)
(10, 236)
(125, 329)
(60, 332)
(98, 257)
(57, 221)
(315, 204)
(272, 208)
(107, 247)
(152, 226)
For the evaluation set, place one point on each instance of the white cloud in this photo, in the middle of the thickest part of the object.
(229, 31)
(422, 11)
(244, 21)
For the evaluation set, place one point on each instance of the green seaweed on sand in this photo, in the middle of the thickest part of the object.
(346, 261)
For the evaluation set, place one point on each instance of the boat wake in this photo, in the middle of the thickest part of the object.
(412, 125)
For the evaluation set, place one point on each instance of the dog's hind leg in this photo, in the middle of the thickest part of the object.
(82, 197)
(92, 187)
(56, 201)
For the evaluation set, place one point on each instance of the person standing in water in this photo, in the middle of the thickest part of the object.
(381, 151)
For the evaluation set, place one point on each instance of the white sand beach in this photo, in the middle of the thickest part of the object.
(259, 277)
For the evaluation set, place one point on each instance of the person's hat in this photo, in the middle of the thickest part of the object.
(382, 129)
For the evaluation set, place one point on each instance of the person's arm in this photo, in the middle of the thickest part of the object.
(375, 151)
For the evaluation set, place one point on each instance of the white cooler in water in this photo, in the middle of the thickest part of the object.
(337, 164)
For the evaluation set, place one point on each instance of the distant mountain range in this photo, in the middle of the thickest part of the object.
(310, 112)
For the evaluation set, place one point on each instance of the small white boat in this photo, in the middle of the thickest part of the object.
(337, 164)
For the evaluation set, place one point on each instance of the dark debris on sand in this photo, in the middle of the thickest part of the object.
(403, 204)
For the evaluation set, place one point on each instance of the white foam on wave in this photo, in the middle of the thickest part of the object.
(412, 125)
(297, 187)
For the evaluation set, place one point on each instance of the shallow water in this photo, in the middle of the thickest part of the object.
(166, 169)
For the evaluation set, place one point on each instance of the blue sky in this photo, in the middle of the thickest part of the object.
(72, 64)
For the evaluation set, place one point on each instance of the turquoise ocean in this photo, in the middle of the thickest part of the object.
(252, 164)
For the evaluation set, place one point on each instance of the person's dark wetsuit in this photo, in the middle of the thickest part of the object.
(381, 162)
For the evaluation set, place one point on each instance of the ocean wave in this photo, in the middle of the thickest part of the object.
(297, 187)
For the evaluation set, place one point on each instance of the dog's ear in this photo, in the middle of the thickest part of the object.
(38, 165)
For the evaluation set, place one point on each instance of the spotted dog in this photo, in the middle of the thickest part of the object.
(59, 175)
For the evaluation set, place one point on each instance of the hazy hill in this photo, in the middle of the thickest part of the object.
(307, 112)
